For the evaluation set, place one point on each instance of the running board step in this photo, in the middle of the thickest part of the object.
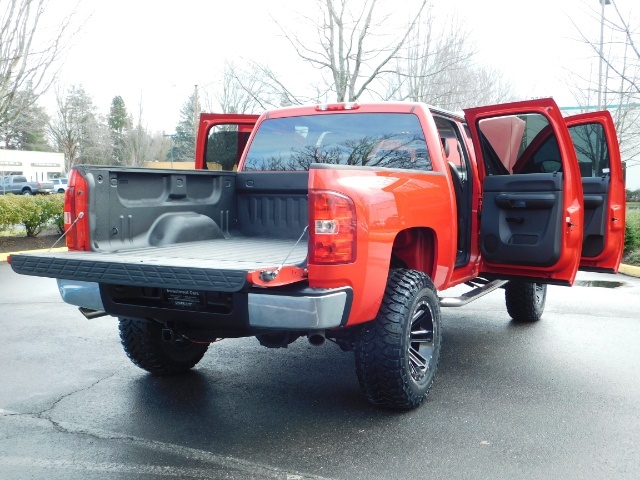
(471, 295)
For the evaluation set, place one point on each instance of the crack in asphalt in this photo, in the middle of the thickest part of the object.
(43, 413)
(252, 469)
(246, 468)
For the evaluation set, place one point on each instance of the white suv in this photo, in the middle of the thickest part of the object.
(59, 185)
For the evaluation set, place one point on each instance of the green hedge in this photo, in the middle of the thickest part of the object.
(32, 212)
(632, 231)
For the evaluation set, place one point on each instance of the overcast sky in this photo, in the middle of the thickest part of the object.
(156, 51)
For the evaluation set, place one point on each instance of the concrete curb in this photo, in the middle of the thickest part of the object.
(629, 270)
(3, 256)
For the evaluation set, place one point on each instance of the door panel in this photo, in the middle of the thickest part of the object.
(598, 155)
(596, 194)
(528, 214)
(532, 207)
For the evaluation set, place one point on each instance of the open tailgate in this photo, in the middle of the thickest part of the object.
(226, 265)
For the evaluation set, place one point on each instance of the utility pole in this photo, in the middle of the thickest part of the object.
(599, 150)
(602, 3)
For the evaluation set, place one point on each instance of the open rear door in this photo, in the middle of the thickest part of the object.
(221, 139)
(596, 144)
(532, 209)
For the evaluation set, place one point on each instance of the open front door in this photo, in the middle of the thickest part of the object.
(596, 144)
(532, 210)
(221, 139)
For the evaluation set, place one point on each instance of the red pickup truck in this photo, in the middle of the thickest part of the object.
(342, 222)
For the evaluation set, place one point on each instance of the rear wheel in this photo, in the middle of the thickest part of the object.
(525, 300)
(397, 353)
(27, 192)
(142, 341)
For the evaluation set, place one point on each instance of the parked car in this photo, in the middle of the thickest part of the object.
(19, 185)
(59, 185)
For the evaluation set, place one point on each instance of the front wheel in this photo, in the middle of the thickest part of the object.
(142, 341)
(397, 353)
(525, 300)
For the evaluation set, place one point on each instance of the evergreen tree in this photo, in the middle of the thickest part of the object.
(184, 140)
(27, 128)
(119, 125)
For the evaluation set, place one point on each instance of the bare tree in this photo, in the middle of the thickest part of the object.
(618, 86)
(245, 90)
(143, 147)
(437, 66)
(626, 66)
(27, 59)
(253, 88)
(65, 130)
(78, 131)
(356, 43)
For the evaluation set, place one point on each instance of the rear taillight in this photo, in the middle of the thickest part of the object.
(332, 223)
(76, 220)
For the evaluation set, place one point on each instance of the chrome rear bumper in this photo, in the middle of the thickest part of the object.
(294, 309)
(306, 309)
(81, 294)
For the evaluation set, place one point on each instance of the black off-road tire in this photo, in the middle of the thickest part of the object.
(142, 341)
(397, 354)
(525, 300)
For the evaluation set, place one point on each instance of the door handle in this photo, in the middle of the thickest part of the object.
(528, 200)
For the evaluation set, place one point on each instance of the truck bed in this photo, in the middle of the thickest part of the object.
(219, 264)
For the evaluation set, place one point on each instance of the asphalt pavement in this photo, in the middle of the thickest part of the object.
(556, 399)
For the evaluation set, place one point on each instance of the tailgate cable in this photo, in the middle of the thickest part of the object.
(267, 276)
(80, 215)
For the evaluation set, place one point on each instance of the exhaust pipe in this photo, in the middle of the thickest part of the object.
(90, 314)
(316, 338)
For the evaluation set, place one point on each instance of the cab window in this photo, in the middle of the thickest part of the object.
(591, 149)
(386, 140)
(453, 146)
(224, 147)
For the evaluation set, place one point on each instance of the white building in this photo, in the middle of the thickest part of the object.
(36, 166)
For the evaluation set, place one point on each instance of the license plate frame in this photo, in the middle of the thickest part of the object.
(186, 299)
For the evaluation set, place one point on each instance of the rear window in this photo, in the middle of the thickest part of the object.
(388, 140)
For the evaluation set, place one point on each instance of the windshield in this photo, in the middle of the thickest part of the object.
(390, 140)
